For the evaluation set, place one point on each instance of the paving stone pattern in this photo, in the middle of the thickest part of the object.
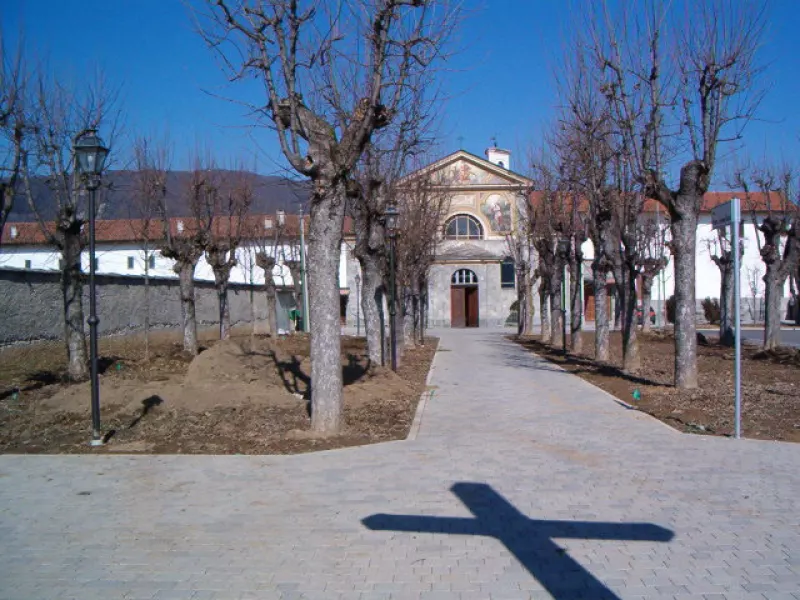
(524, 482)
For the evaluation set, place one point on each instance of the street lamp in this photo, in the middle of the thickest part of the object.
(90, 158)
(358, 304)
(390, 222)
(563, 251)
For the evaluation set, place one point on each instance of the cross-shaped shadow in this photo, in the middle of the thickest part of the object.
(529, 540)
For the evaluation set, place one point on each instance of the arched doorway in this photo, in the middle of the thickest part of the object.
(464, 299)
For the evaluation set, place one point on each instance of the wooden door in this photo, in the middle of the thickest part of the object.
(458, 317)
(588, 309)
(472, 306)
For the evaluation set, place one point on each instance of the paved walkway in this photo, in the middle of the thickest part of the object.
(524, 482)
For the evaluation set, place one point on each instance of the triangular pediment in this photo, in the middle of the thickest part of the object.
(465, 170)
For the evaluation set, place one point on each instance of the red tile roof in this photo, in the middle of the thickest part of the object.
(132, 230)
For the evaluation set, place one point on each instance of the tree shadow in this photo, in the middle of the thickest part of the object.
(37, 380)
(292, 376)
(354, 369)
(529, 540)
(590, 365)
(147, 405)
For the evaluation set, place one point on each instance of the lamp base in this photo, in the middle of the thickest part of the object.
(96, 442)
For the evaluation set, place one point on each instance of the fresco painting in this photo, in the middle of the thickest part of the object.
(497, 209)
(463, 173)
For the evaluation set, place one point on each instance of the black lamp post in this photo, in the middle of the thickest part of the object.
(563, 251)
(90, 157)
(390, 214)
(358, 304)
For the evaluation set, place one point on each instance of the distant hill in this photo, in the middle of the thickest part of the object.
(270, 195)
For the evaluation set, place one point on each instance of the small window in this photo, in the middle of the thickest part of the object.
(267, 223)
(130, 263)
(27, 264)
(507, 274)
(151, 261)
(464, 277)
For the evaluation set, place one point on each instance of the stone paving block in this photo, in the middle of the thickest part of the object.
(543, 444)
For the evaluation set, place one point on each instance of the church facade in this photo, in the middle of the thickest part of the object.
(472, 281)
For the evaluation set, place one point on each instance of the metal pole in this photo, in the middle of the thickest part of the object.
(358, 306)
(564, 310)
(738, 317)
(392, 308)
(303, 272)
(97, 438)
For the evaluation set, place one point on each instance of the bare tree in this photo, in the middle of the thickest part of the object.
(185, 240)
(776, 234)
(668, 98)
(331, 78)
(424, 202)
(519, 244)
(13, 126)
(149, 189)
(754, 280)
(269, 251)
(54, 192)
(653, 258)
(720, 249)
(233, 202)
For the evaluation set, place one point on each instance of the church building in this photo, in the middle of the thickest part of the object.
(472, 281)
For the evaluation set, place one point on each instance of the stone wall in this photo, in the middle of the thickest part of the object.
(31, 305)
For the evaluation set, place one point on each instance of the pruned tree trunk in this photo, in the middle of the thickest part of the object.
(409, 318)
(576, 307)
(726, 320)
(271, 293)
(772, 298)
(544, 315)
(556, 310)
(683, 227)
(185, 272)
(523, 300)
(626, 288)
(529, 301)
(324, 248)
(221, 284)
(267, 264)
(372, 306)
(647, 298)
(295, 271)
(601, 316)
(72, 293)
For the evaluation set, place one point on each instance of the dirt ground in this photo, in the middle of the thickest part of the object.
(247, 395)
(770, 385)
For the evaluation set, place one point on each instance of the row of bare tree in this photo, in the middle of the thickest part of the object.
(648, 93)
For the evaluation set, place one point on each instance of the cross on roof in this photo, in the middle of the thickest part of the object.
(529, 540)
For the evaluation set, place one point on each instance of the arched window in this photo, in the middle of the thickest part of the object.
(464, 277)
(463, 227)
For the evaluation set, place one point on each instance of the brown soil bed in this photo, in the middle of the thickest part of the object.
(770, 385)
(247, 395)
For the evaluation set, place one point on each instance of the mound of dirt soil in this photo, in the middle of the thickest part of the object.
(234, 360)
(378, 385)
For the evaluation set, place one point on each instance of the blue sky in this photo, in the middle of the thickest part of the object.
(500, 84)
